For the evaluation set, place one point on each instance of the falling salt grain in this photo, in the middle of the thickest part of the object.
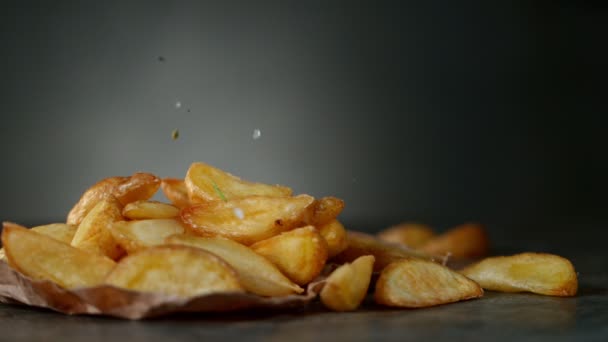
(178, 104)
(256, 134)
(238, 212)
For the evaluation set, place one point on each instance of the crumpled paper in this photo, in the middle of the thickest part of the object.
(117, 302)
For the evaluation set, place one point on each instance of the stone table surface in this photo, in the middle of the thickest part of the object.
(495, 317)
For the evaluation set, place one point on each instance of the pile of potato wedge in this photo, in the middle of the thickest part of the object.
(219, 233)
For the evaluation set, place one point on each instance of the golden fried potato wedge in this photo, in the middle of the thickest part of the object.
(412, 235)
(256, 273)
(360, 244)
(140, 186)
(174, 270)
(94, 235)
(300, 253)
(207, 183)
(467, 241)
(541, 273)
(326, 209)
(248, 219)
(142, 210)
(175, 190)
(44, 258)
(136, 235)
(58, 231)
(99, 191)
(346, 287)
(417, 283)
(5, 225)
(335, 235)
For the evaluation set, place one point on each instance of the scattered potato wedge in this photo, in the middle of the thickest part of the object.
(467, 241)
(412, 235)
(256, 273)
(142, 210)
(417, 283)
(94, 235)
(346, 287)
(300, 253)
(360, 244)
(335, 235)
(140, 186)
(249, 219)
(174, 270)
(133, 236)
(540, 273)
(207, 183)
(326, 209)
(44, 258)
(175, 190)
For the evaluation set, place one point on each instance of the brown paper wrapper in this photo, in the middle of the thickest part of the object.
(117, 302)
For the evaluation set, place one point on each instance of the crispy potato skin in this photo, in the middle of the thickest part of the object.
(263, 217)
(335, 235)
(412, 235)
(204, 183)
(416, 283)
(174, 270)
(346, 287)
(360, 244)
(52, 260)
(257, 274)
(467, 241)
(175, 190)
(140, 186)
(300, 253)
(540, 273)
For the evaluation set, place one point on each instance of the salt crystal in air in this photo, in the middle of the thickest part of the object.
(256, 134)
(178, 104)
(238, 212)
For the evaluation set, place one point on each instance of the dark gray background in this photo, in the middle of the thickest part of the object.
(438, 111)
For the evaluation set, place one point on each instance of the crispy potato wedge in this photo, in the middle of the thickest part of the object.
(207, 183)
(94, 235)
(335, 235)
(256, 273)
(326, 210)
(5, 225)
(346, 287)
(142, 210)
(175, 190)
(540, 273)
(412, 235)
(44, 258)
(99, 191)
(300, 253)
(249, 219)
(58, 231)
(467, 241)
(417, 283)
(133, 236)
(174, 270)
(140, 186)
(360, 244)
